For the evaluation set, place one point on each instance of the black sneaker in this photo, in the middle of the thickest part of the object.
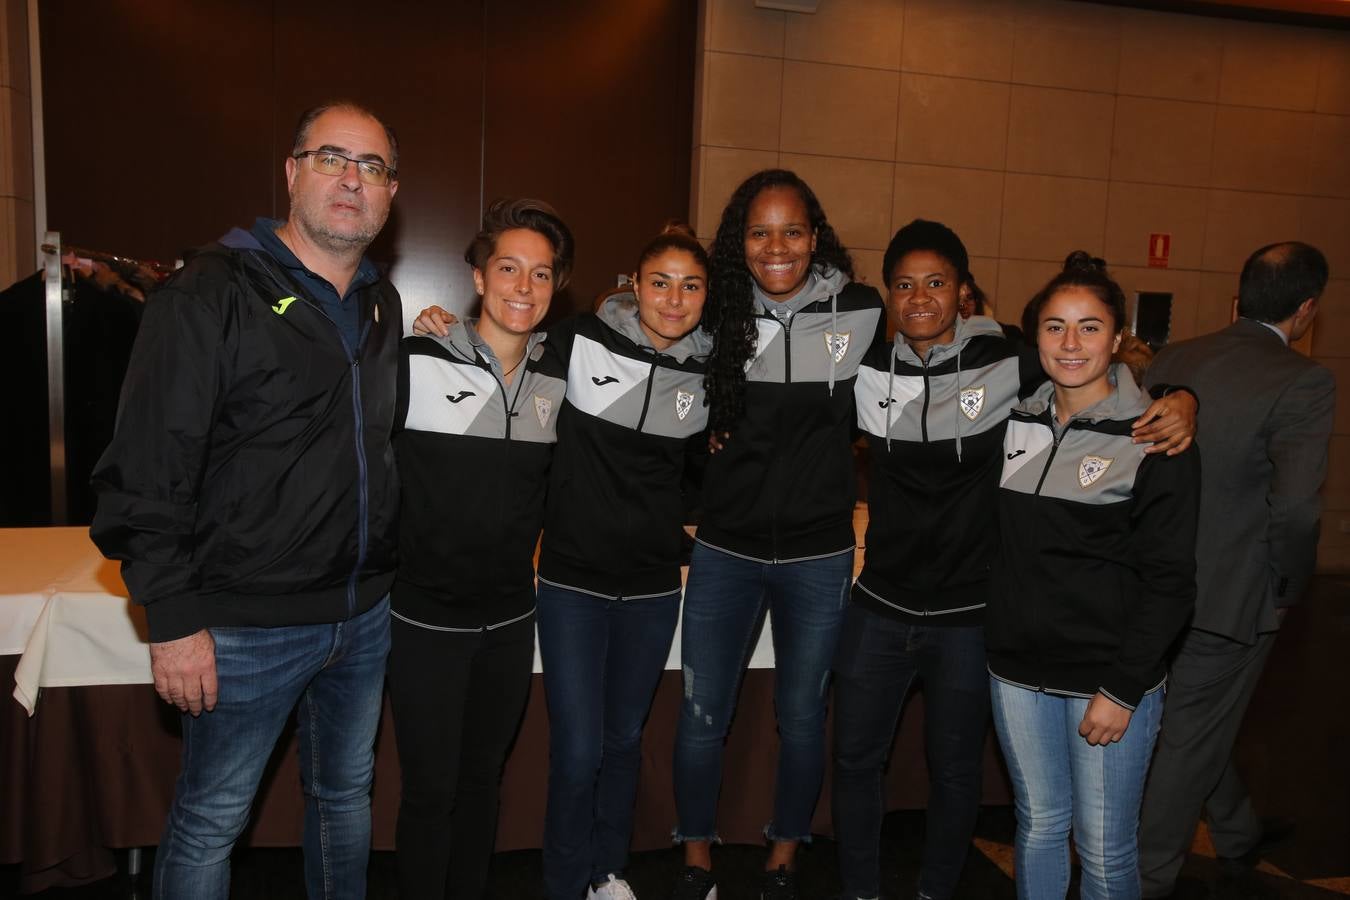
(694, 884)
(780, 884)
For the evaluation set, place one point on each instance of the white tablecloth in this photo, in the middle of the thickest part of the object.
(64, 607)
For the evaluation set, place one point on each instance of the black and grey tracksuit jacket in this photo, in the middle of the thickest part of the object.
(473, 457)
(1096, 573)
(783, 488)
(633, 424)
(934, 429)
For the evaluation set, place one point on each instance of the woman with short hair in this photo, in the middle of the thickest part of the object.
(478, 412)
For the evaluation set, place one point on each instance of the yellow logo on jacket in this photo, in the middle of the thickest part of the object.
(282, 305)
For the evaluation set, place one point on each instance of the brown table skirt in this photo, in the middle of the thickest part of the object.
(94, 769)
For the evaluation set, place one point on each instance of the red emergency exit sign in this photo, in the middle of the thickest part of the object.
(1159, 250)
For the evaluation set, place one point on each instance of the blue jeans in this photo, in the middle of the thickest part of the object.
(878, 660)
(335, 672)
(602, 662)
(1060, 780)
(724, 601)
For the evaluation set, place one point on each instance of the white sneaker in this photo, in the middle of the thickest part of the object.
(613, 889)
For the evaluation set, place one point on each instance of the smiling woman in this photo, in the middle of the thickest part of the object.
(516, 285)
(631, 429)
(631, 432)
(477, 408)
(791, 329)
(1094, 579)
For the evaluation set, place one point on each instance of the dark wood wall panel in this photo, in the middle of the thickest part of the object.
(422, 70)
(590, 107)
(167, 121)
(158, 121)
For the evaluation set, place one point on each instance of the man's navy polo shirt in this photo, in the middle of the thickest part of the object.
(342, 310)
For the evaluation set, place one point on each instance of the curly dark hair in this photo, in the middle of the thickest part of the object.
(729, 313)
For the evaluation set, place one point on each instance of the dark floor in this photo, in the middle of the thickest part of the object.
(1293, 752)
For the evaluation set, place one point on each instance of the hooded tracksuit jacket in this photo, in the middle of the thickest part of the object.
(473, 455)
(250, 480)
(935, 431)
(783, 487)
(1096, 574)
(632, 419)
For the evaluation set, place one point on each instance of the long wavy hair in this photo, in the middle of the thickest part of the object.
(729, 313)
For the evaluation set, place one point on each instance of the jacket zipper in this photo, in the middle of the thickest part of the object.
(359, 422)
(923, 415)
(1036, 608)
(362, 466)
(647, 400)
(787, 379)
(508, 402)
(363, 493)
(1049, 460)
(923, 429)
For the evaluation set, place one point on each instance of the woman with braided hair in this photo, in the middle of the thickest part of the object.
(790, 329)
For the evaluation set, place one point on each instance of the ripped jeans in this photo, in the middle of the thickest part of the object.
(724, 599)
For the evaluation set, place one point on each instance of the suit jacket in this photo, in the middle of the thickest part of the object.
(1264, 424)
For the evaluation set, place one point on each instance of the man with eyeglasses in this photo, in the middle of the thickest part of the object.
(249, 490)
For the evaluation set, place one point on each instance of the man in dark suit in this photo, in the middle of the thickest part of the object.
(1265, 421)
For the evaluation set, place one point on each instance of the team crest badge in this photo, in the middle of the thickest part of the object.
(543, 408)
(972, 401)
(684, 401)
(1092, 468)
(837, 345)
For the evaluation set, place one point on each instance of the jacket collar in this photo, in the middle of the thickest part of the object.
(1256, 328)
(620, 313)
(1125, 401)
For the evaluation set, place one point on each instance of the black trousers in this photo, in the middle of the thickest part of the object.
(457, 700)
(877, 662)
(1210, 683)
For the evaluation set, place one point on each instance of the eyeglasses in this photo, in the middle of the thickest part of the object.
(326, 162)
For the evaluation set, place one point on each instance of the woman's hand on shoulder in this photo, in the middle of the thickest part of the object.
(1168, 424)
(434, 320)
(1104, 722)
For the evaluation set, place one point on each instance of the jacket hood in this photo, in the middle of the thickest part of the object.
(620, 313)
(821, 284)
(966, 329)
(1124, 402)
(240, 239)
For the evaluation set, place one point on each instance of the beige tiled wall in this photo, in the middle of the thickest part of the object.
(1035, 127)
(17, 251)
